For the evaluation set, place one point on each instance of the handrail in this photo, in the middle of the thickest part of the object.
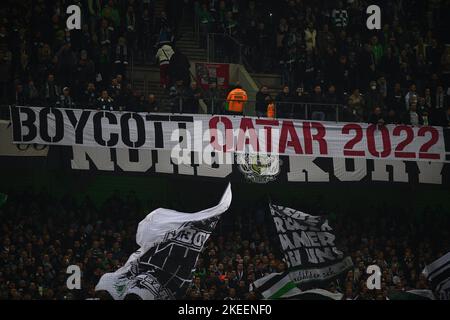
(181, 102)
(241, 60)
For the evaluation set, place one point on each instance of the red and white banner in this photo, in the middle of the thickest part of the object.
(204, 134)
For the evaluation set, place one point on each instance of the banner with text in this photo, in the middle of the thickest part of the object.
(309, 247)
(208, 73)
(208, 135)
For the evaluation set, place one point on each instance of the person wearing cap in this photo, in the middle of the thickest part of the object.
(235, 102)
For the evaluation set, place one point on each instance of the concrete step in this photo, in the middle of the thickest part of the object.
(197, 58)
(146, 67)
(187, 29)
(188, 43)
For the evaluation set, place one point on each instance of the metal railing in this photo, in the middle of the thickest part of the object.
(220, 47)
(179, 103)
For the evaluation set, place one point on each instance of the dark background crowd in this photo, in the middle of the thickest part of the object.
(41, 235)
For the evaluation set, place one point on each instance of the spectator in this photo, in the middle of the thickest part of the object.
(206, 19)
(325, 39)
(318, 110)
(106, 34)
(21, 98)
(413, 117)
(165, 32)
(373, 97)
(32, 93)
(342, 76)
(151, 104)
(340, 16)
(214, 98)
(440, 100)
(412, 92)
(51, 91)
(121, 60)
(65, 100)
(66, 65)
(194, 94)
(331, 96)
(145, 36)
(131, 27)
(301, 97)
(262, 99)
(85, 72)
(392, 117)
(90, 96)
(356, 106)
(310, 37)
(178, 94)
(115, 89)
(446, 122)
(367, 65)
(179, 68)
(284, 103)
(377, 50)
(110, 13)
(5, 71)
(376, 117)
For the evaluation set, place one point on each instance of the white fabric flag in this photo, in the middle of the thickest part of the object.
(438, 274)
(170, 242)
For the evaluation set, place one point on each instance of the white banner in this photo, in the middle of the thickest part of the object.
(203, 134)
(7, 148)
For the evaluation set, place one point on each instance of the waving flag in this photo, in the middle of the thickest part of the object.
(170, 242)
(438, 274)
(311, 255)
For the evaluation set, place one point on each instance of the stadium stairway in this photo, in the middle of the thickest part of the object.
(145, 77)
(159, 7)
(188, 44)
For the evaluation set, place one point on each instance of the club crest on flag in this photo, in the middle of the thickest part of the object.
(259, 168)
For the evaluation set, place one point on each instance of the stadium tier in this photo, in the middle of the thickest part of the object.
(224, 150)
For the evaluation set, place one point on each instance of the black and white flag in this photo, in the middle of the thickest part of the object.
(438, 274)
(281, 286)
(170, 243)
(309, 247)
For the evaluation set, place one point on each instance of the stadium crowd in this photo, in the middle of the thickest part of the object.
(326, 55)
(41, 235)
(322, 49)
